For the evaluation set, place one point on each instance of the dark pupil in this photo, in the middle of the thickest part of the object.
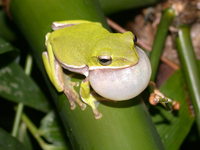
(104, 60)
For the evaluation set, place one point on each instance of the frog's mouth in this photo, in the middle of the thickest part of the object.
(122, 83)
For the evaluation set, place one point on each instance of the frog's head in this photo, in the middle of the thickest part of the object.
(114, 51)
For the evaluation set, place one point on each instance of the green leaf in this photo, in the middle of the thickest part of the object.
(7, 142)
(5, 46)
(8, 53)
(16, 86)
(51, 131)
(174, 127)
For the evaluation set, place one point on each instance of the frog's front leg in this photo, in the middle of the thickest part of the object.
(88, 98)
(71, 93)
(61, 81)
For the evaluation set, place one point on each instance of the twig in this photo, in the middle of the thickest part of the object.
(115, 26)
(170, 63)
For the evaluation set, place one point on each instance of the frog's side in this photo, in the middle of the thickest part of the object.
(80, 46)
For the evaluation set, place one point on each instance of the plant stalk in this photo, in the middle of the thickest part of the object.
(159, 40)
(20, 106)
(190, 68)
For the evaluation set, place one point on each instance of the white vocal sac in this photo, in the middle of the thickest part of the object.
(122, 84)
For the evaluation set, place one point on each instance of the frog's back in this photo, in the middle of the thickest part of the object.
(72, 45)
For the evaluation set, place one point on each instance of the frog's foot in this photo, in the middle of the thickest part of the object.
(93, 103)
(73, 98)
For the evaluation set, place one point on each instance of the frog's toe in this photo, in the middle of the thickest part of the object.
(83, 106)
(97, 114)
(72, 105)
(74, 99)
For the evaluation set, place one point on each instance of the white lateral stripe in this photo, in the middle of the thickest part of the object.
(72, 66)
(94, 67)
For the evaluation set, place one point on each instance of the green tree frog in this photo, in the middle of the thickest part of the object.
(89, 49)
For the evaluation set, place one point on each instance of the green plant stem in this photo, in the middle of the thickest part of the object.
(190, 68)
(28, 66)
(160, 38)
(33, 129)
(157, 49)
(19, 111)
(20, 106)
(37, 135)
(22, 132)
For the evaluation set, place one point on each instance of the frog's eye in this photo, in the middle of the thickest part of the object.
(135, 39)
(105, 60)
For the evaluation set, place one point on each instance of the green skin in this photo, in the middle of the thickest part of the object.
(80, 46)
